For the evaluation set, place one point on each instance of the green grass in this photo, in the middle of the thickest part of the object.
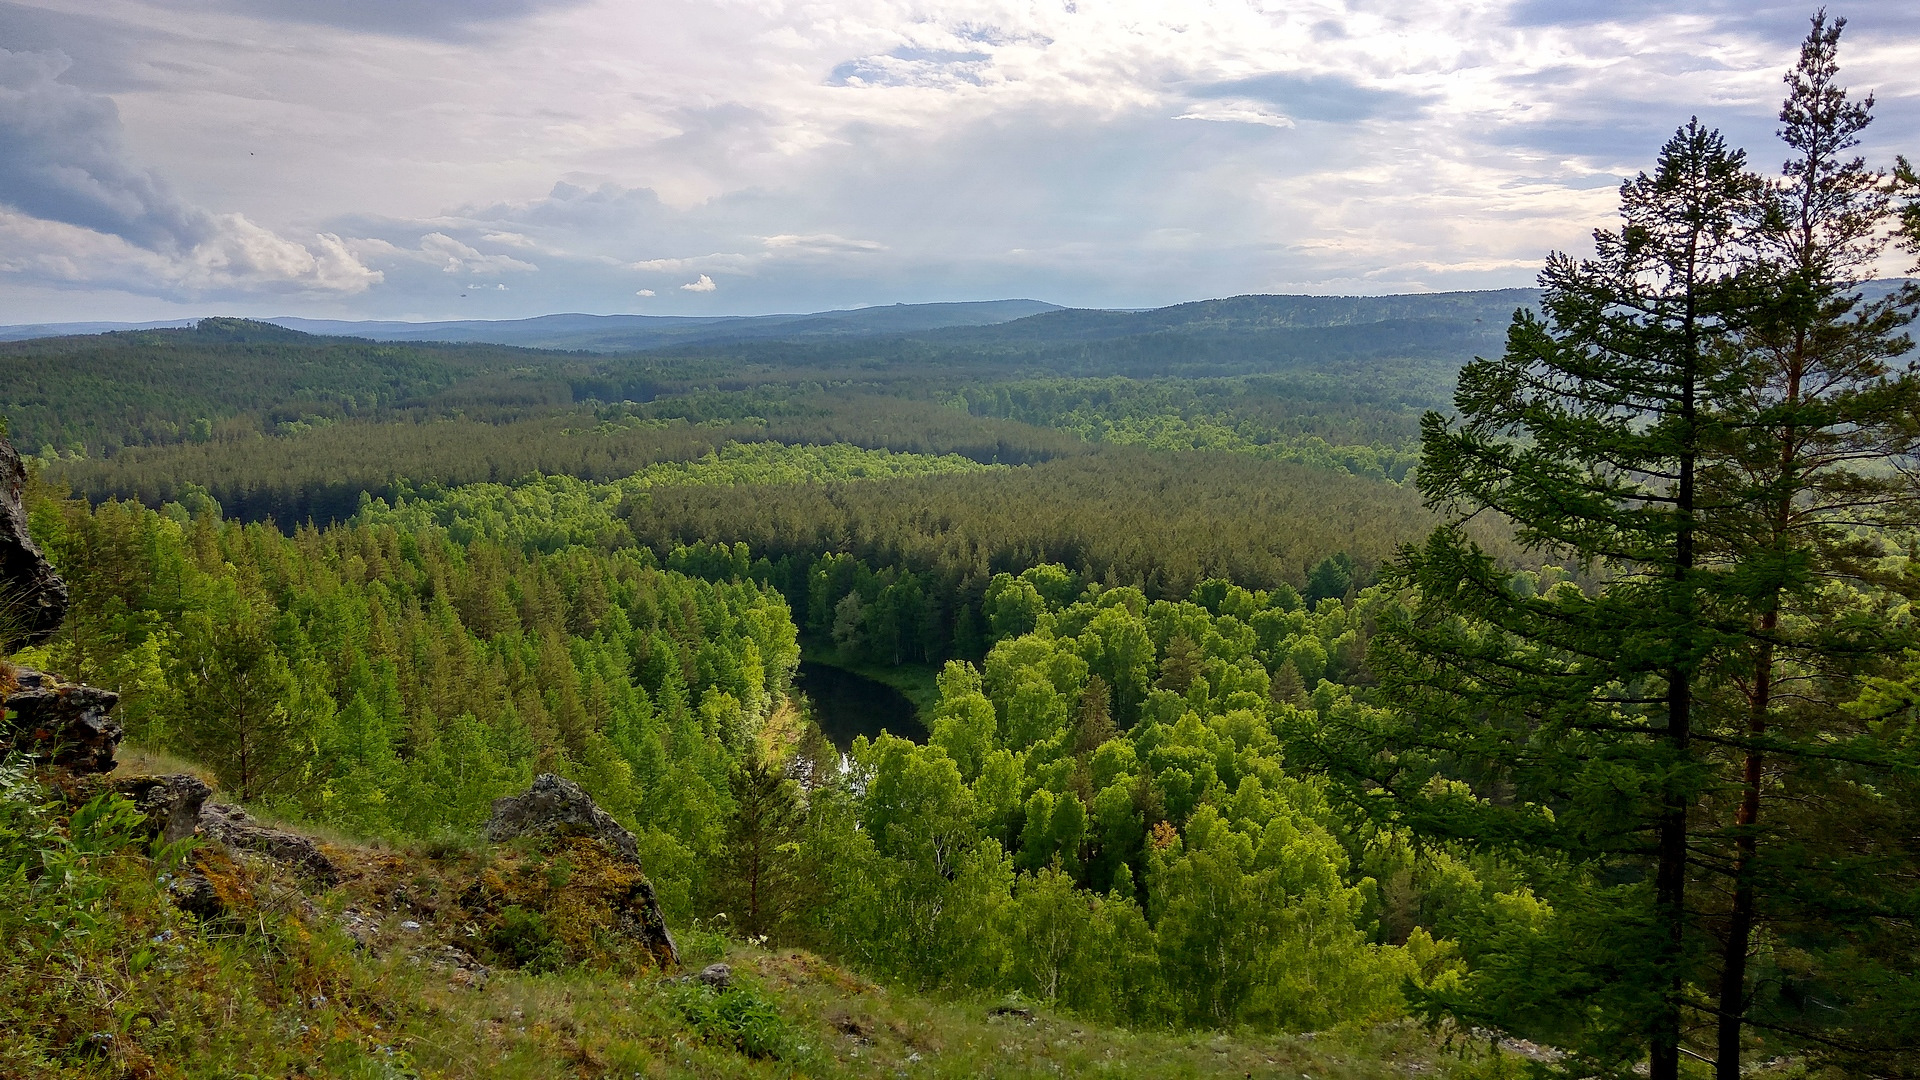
(826, 1022)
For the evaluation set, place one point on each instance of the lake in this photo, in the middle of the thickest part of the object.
(846, 705)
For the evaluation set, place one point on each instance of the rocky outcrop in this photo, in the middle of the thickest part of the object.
(33, 599)
(238, 831)
(558, 808)
(555, 805)
(58, 723)
(172, 803)
(47, 721)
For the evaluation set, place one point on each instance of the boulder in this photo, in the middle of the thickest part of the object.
(33, 599)
(57, 723)
(715, 977)
(238, 831)
(557, 807)
(172, 803)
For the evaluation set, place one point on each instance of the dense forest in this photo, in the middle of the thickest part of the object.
(1538, 662)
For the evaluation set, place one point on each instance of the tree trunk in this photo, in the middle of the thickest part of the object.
(1670, 880)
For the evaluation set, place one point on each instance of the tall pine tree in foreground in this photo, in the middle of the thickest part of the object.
(1709, 421)
(1556, 730)
(1809, 501)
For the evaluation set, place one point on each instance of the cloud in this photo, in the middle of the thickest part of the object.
(705, 284)
(511, 239)
(821, 155)
(458, 258)
(910, 66)
(240, 258)
(1237, 112)
(719, 260)
(821, 244)
(643, 292)
(66, 164)
(1326, 98)
(442, 19)
(65, 160)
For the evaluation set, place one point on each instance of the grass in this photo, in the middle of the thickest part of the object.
(837, 1024)
(103, 977)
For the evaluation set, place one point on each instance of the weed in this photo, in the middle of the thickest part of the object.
(523, 938)
(741, 1017)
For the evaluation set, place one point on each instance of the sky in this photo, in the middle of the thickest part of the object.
(433, 159)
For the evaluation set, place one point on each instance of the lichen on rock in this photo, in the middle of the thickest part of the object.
(605, 889)
(59, 723)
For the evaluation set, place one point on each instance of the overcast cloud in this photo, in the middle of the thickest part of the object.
(505, 158)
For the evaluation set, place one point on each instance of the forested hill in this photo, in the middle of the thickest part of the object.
(1254, 314)
(623, 333)
(616, 333)
(92, 395)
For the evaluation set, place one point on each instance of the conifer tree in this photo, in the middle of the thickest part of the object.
(235, 688)
(1801, 500)
(763, 879)
(1570, 716)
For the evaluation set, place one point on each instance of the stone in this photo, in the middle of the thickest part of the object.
(172, 803)
(458, 965)
(715, 977)
(558, 807)
(33, 599)
(554, 805)
(237, 830)
(52, 722)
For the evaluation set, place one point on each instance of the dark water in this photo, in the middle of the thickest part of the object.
(846, 705)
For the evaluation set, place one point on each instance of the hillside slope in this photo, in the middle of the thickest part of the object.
(106, 976)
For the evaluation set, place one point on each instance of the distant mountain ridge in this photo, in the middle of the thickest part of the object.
(618, 333)
(966, 323)
(1480, 315)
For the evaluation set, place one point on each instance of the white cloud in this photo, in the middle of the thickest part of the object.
(643, 292)
(1237, 113)
(820, 244)
(826, 152)
(716, 261)
(238, 259)
(457, 258)
(705, 284)
(511, 239)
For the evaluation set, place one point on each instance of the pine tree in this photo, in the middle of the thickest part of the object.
(1285, 686)
(762, 878)
(1801, 499)
(234, 688)
(1570, 716)
(1180, 664)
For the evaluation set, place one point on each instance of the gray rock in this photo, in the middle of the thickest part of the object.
(457, 964)
(33, 599)
(172, 803)
(558, 806)
(193, 892)
(554, 806)
(715, 976)
(237, 829)
(59, 723)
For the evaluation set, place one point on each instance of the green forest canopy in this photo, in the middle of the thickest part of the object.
(1217, 742)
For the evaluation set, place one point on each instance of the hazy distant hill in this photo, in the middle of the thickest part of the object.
(618, 333)
(1251, 314)
(30, 331)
